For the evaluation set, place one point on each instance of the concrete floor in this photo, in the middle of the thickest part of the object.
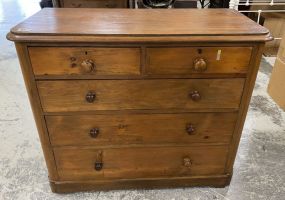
(259, 171)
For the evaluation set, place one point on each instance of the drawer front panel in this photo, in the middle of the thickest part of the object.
(62, 96)
(125, 129)
(189, 60)
(85, 61)
(94, 3)
(124, 163)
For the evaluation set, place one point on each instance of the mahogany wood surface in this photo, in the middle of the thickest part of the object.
(124, 101)
(250, 82)
(68, 61)
(119, 39)
(64, 96)
(141, 128)
(31, 88)
(140, 183)
(121, 25)
(181, 60)
(126, 163)
(131, 22)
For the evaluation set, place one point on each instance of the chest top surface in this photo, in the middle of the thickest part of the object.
(136, 23)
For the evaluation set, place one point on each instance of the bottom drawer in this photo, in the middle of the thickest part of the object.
(139, 162)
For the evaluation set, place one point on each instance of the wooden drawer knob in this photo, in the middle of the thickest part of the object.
(90, 97)
(195, 95)
(187, 162)
(99, 161)
(199, 64)
(190, 129)
(94, 132)
(87, 65)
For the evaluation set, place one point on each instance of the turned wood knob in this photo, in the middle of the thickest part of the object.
(94, 132)
(87, 65)
(190, 129)
(187, 162)
(199, 64)
(99, 161)
(195, 95)
(90, 97)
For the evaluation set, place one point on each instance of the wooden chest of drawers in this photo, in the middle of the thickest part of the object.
(127, 99)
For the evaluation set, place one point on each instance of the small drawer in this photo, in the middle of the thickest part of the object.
(197, 60)
(120, 129)
(75, 163)
(94, 95)
(85, 61)
(94, 3)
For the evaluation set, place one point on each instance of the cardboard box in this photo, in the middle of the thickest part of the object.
(281, 51)
(276, 87)
(275, 22)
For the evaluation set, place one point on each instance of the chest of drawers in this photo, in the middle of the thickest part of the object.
(128, 99)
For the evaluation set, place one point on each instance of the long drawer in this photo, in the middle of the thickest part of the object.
(85, 61)
(186, 94)
(122, 163)
(189, 60)
(123, 129)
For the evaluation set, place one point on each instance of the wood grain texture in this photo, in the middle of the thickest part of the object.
(64, 96)
(153, 111)
(31, 88)
(110, 22)
(143, 99)
(141, 128)
(93, 3)
(143, 183)
(250, 82)
(119, 39)
(180, 60)
(124, 163)
(67, 60)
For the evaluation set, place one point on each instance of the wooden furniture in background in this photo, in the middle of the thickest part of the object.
(123, 103)
(175, 4)
(91, 3)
